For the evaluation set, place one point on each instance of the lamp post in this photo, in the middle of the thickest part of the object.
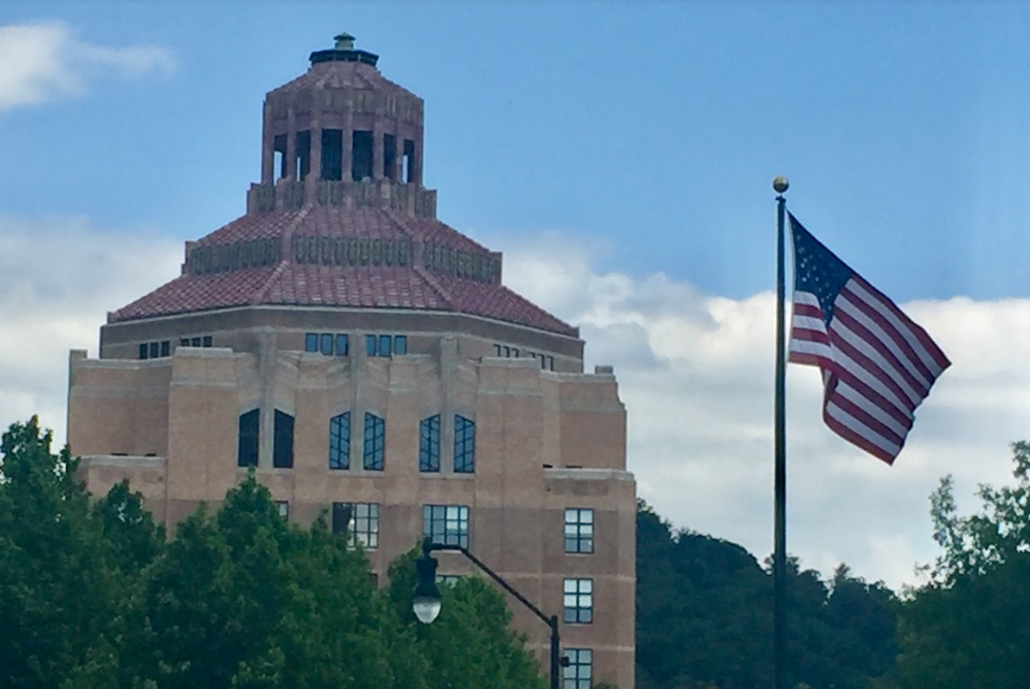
(426, 602)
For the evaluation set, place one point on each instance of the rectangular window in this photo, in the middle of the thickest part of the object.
(497, 350)
(195, 342)
(429, 444)
(370, 345)
(447, 524)
(578, 674)
(342, 345)
(326, 346)
(332, 154)
(400, 344)
(579, 530)
(375, 437)
(284, 508)
(448, 579)
(385, 345)
(339, 441)
(358, 522)
(361, 155)
(282, 446)
(166, 348)
(464, 445)
(389, 155)
(184, 342)
(207, 341)
(579, 601)
(311, 342)
(155, 350)
(341, 518)
(247, 455)
(143, 349)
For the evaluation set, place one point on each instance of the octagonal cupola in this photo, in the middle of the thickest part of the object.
(342, 135)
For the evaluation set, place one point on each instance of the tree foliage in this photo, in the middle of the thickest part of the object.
(92, 596)
(969, 626)
(704, 617)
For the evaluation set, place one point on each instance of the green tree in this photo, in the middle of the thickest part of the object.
(969, 626)
(62, 614)
(704, 617)
(471, 643)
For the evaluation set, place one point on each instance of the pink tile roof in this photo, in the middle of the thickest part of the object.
(290, 283)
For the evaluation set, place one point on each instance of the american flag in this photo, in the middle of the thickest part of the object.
(877, 364)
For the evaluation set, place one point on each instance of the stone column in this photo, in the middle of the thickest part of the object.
(291, 145)
(378, 149)
(348, 139)
(267, 147)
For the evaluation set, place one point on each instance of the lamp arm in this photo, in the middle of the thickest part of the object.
(550, 620)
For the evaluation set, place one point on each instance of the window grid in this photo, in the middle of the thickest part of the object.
(327, 344)
(578, 673)
(579, 601)
(446, 524)
(385, 345)
(284, 508)
(375, 438)
(464, 445)
(339, 441)
(357, 522)
(429, 444)
(579, 530)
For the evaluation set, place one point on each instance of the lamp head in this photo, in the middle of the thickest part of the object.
(426, 601)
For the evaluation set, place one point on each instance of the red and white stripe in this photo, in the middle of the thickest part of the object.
(877, 365)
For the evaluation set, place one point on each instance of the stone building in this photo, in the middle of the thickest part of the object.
(366, 359)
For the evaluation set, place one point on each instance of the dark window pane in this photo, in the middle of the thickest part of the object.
(384, 345)
(155, 350)
(207, 340)
(448, 524)
(370, 345)
(311, 342)
(339, 441)
(375, 431)
(342, 345)
(579, 530)
(464, 445)
(166, 348)
(247, 455)
(341, 517)
(143, 349)
(400, 344)
(429, 444)
(327, 344)
(282, 451)
(195, 342)
(184, 342)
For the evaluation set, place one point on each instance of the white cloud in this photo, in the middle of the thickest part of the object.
(695, 371)
(696, 374)
(57, 280)
(43, 62)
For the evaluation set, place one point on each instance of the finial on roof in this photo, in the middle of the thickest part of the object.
(344, 41)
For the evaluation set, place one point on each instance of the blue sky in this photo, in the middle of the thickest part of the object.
(652, 130)
(621, 156)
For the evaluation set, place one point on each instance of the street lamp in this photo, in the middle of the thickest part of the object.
(426, 602)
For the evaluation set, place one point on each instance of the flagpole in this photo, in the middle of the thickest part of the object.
(780, 185)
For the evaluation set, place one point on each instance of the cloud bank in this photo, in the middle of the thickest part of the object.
(695, 371)
(696, 374)
(43, 62)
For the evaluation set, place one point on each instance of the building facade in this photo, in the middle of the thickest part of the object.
(367, 362)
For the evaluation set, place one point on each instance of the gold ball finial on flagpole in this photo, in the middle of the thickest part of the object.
(781, 184)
